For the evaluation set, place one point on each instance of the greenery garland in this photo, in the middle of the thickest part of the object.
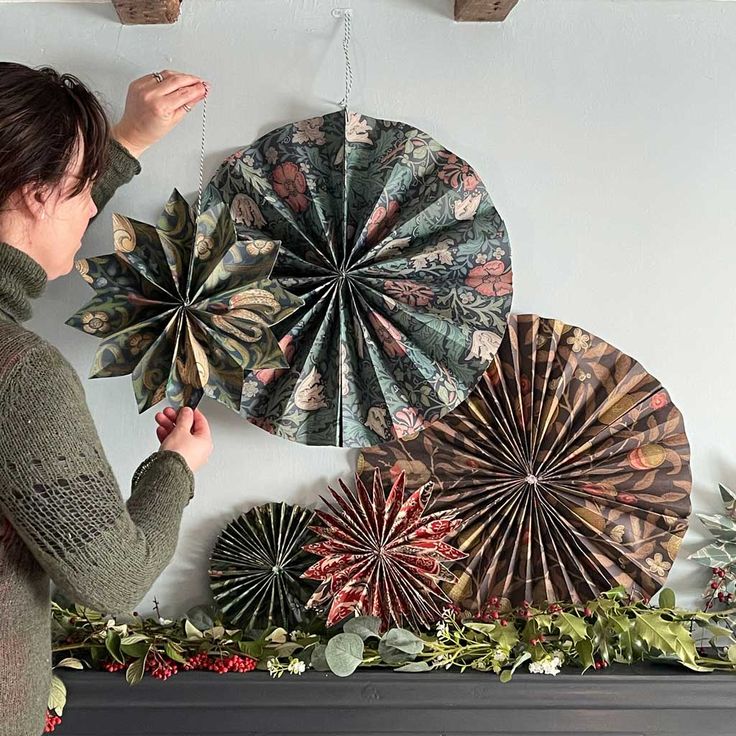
(612, 628)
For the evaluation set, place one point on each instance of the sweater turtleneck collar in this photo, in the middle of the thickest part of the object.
(21, 280)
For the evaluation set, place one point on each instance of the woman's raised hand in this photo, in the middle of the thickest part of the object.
(186, 432)
(155, 104)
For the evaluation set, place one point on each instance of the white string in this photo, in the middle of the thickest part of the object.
(201, 155)
(347, 15)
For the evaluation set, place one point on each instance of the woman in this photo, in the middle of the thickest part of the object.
(61, 512)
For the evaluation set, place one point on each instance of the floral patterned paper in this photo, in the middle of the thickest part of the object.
(184, 306)
(569, 465)
(382, 556)
(403, 264)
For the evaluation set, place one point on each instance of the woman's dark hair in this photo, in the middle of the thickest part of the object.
(44, 116)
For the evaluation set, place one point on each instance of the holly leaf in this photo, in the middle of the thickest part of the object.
(573, 626)
(71, 663)
(668, 637)
(584, 651)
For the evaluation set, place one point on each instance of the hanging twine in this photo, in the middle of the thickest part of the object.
(201, 155)
(347, 15)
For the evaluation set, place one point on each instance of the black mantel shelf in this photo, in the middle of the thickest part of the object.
(642, 700)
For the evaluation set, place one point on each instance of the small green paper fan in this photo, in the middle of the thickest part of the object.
(257, 563)
(184, 306)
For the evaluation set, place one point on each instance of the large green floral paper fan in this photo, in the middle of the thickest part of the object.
(185, 306)
(403, 264)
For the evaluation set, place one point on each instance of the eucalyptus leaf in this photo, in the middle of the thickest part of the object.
(344, 654)
(403, 640)
(365, 627)
(391, 655)
(414, 667)
(319, 661)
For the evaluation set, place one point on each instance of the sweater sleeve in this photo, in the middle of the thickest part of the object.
(58, 490)
(122, 166)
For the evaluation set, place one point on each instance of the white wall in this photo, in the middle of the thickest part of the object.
(604, 130)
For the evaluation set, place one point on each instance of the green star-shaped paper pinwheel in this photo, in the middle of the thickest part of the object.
(184, 306)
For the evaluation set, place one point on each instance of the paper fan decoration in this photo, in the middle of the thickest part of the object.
(257, 564)
(568, 464)
(402, 261)
(382, 556)
(184, 306)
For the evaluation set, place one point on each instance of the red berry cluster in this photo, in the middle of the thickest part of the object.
(717, 585)
(492, 611)
(160, 667)
(113, 666)
(600, 664)
(525, 611)
(221, 665)
(52, 721)
(554, 608)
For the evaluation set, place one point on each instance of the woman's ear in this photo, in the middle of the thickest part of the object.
(32, 200)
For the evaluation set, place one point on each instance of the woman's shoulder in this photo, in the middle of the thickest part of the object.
(28, 357)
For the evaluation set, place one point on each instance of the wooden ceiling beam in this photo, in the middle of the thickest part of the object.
(483, 10)
(138, 12)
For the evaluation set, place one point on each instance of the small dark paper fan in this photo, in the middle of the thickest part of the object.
(256, 566)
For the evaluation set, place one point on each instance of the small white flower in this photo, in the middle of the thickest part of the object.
(546, 666)
(165, 621)
(442, 630)
(448, 614)
(296, 634)
(296, 666)
(499, 253)
(272, 665)
(481, 258)
(500, 656)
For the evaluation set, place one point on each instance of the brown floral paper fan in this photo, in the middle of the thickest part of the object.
(568, 463)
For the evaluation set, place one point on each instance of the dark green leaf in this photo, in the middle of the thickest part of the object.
(134, 673)
(112, 644)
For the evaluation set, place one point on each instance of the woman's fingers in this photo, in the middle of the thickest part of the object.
(189, 96)
(164, 421)
(175, 80)
(161, 433)
(153, 108)
(200, 427)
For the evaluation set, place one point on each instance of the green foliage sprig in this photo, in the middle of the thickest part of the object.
(610, 629)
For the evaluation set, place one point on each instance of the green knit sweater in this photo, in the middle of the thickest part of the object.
(61, 513)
